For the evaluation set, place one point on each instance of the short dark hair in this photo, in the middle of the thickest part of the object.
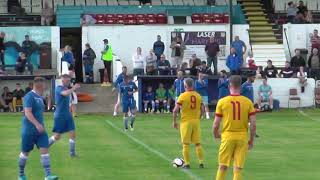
(204, 62)
(223, 71)
(64, 76)
(269, 61)
(289, 3)
(38, 80)
(235, 81)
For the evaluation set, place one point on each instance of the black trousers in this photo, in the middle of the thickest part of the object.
(2, 60)
(107, 67)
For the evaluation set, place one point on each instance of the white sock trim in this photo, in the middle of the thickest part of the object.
(72, 141)
(22, 156)
(45, 155)
(53, 138)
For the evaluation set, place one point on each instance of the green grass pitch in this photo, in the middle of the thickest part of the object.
(288, 149)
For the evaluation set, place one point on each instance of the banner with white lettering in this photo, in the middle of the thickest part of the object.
(196, 41)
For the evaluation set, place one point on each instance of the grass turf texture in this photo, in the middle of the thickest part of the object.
(288, 148)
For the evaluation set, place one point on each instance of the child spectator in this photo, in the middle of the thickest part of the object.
(179, 85)
(223, 85)
(161, 98)
(148, 99)
(201, 86)
(250, 61)
(171, 97)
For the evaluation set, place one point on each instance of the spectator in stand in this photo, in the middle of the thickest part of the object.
(29, 88)
(308, 17)
(138, 60)
(212, 49)
(270, 71)
(107, 58)
(17, 100)
(148, 100)
(205, 69)
(161, 98)
(265, 93)
(178, 48)
(27, 47)
(201, 86)
(184, 68)
(88, 60)
(299, 19)
(158, 47)
(46, 15)
(164, 66)
(14, 7)
(315, 39)
(301, 7)
(250, 62)
(223, 85)
(314, 64)
(240, 47)
(291, 12)
(302, 76)
(297, 61)
(194, 63)
(260, 73)
(7, 97)
(234, 62)
(2, 49)
(151, 63)
(22, 63)
(179, 85)
(287, 71)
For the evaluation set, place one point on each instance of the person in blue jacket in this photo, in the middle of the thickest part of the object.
(179, 85)
(116, 84)
(201, 86)
(223, 85)
(234, 62)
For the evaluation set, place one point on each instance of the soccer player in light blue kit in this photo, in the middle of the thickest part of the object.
(33, 131)
(127, 88)
(63, 120)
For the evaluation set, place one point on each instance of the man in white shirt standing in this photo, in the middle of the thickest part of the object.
(138, 60)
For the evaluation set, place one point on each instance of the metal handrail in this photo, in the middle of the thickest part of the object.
(285, 34)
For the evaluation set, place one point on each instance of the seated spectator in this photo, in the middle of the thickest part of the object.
(204, 68)
(302, 76)
(22, 63)
(171, 98)
(46, 15)
(138, 60)
(14, 7)
(315, 39)
(161, 99)
(291, 12)
(314, 64)
(251, 62)
(17, 100)
(201, 86)
(234, 63)
(148, 100)
(299, 19)
(184, 67)
(270, 71)
(194, 63)
(151, 63)
(301, 7)
(87, 19)
(223, 85)
(88, 61)
(260, 73)
(297, 61)
(163, 66)
(265, 94)
(287, 71)
(29, 88)
(7, 96)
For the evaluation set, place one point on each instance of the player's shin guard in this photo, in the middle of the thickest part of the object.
(51, 140)
(45, 161)
(22, 163)
(132, 119)
(125, 121)
(199, 152)
(237, 175)
(72, 143)
(186, 153)
(221, 175)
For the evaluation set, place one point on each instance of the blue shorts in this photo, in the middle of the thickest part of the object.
(63, 124)
(29, 140)
(131, 104)
(205, 100)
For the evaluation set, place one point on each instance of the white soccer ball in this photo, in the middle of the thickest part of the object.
(177, 162)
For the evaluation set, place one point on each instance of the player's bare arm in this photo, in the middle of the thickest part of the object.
(70, 91)
(175, 115)
(32, 119)
(215, 127)
(253, 127)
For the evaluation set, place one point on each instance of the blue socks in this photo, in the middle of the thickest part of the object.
(22, 163)
(72, 143)
(45, 161)
(132, 119)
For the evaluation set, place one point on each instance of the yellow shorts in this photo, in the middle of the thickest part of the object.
(231, 149)
(190, 133)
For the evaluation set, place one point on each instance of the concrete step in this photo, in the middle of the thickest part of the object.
(253, 8)
(251, 4)
(274, 52)
(255, 13)
(258, 18)
(264, 43)
(259, 23)
(261, 34)
(280, 46)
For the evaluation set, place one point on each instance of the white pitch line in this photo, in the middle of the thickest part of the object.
(307, 115)
(150, 149)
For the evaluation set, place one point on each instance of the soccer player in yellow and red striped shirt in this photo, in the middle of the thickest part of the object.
(190, 103)
(235, 112)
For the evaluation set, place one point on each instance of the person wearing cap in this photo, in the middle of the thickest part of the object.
(270, 71)
(107, 57)
(17, 100)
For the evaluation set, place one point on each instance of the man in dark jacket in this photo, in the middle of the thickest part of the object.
(164, 66)
(297, 61)
(270, 71)
(27, 47)
(88, 60)
(2, 48)
(158, 47)
(212, 49)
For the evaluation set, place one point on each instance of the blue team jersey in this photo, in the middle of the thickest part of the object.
(179, 86)
(62, 102)
(125, 88)
(119, 80)
(223, 86)
(201, 88)
(35, 102)
(149, 96)
(247, 90)
(238, 45)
